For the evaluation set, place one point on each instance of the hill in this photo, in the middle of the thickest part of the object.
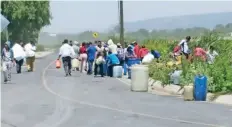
(186, 21)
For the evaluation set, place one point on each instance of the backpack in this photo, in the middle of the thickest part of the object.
(156, 54)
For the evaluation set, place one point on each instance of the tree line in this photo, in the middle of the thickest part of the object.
(143, 34)
(26, 19)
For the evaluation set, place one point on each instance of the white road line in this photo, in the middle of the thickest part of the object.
(115, 109)
(123, 81)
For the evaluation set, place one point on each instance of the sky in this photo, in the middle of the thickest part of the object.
(77, 16)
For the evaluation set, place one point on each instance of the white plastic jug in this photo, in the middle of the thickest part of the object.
(117, 71)
(175, 77)
(188, 93)
(148, 58)
(75, 63)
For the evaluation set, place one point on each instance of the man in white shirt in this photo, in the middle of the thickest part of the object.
(66, 52)
(30, 49)
(184, 46)
(19, 55)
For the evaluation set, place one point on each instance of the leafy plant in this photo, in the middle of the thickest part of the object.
(219, 74)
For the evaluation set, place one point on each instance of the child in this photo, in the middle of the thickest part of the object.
(7, 60)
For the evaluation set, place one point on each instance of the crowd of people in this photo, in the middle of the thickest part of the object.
(100, 57)
(200, 53)
(17, 54)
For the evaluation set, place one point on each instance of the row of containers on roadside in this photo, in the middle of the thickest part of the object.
(139, 75)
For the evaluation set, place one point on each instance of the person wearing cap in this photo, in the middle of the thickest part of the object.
(132, 45)
(184, 46)
(7, 60)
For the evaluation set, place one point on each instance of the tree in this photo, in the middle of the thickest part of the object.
(145, 33)
(26, 18)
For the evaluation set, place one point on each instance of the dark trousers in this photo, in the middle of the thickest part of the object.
(90, 66)
(100, 66)
(110, 69)
(186, 55)
(122, 62)
(67, 64)
(19, 64)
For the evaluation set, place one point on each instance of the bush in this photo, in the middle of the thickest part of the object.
(219, 74)
(40, 48)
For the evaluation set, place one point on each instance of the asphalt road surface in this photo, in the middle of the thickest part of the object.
(45, 98)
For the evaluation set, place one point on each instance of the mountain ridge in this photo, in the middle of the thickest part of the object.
(208, 20)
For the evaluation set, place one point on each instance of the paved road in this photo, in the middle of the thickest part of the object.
(45, 98)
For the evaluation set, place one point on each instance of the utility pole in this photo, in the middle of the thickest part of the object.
(121, 24)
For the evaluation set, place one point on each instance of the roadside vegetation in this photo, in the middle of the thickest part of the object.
(32, 16)
(219, 74)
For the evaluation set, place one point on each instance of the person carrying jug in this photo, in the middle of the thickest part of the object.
(66, 52)
(30, 49)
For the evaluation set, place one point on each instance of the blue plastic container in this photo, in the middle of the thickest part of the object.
(200, 88)
(105, 69)
(131, 62)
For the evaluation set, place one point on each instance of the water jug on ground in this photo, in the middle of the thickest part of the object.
(117, 71)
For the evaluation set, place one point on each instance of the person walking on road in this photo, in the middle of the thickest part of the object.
(83, 57)
(91, 52)
(19, 56)
(7, 61)
(76, 50)
(30, 49)
(66, 52)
